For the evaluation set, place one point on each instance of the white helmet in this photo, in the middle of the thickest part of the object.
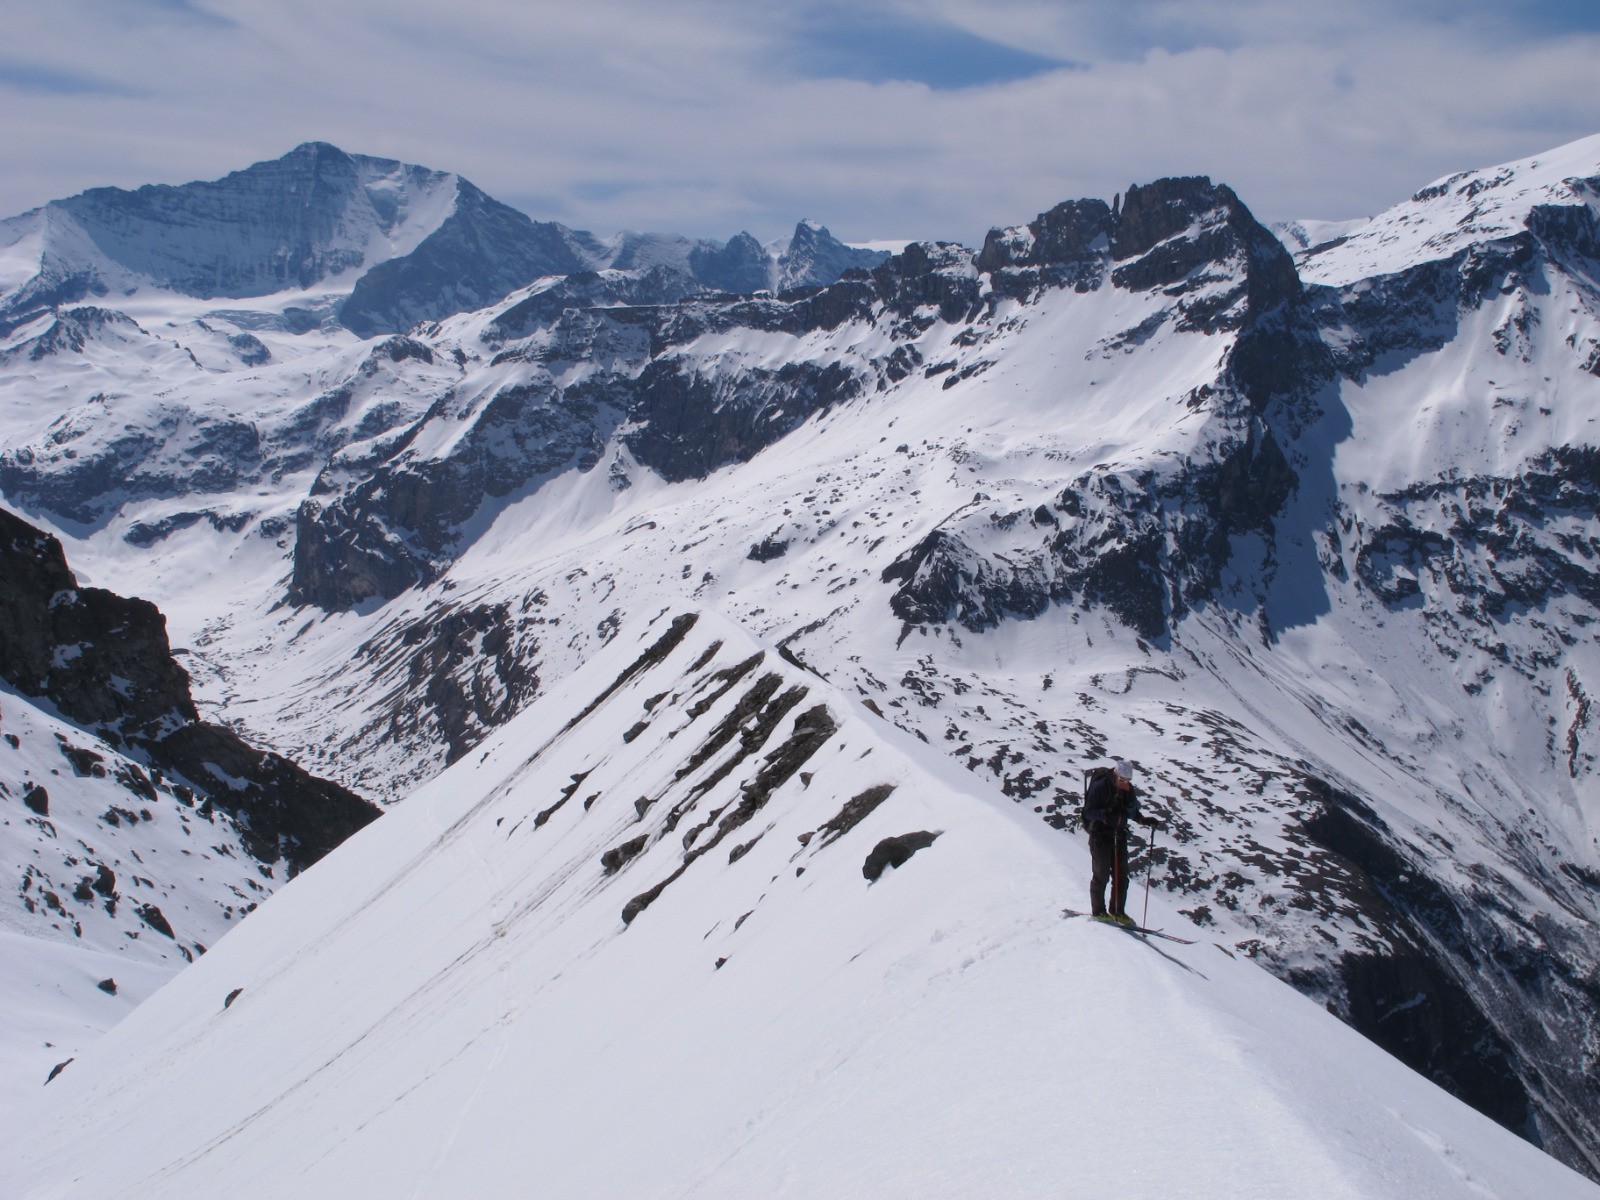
(1124, 768)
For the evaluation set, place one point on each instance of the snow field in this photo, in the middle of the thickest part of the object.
(58, 941)
(450, 1005)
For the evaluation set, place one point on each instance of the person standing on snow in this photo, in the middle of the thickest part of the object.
(1110, 801)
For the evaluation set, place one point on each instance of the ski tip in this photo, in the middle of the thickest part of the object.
(1171, 937)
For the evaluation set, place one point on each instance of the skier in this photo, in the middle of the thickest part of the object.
(1109, 803)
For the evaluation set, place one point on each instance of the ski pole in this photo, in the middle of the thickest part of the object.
(1150, 853)
(1117, 855)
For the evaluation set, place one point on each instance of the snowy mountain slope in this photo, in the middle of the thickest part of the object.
(1462, 210)
(132, 834)
(114, 879)
(465, 994)
(1116, 483)
(1303, 235)
(481, 251)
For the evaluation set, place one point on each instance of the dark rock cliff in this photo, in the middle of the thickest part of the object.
(1477, 992)
(103, 662)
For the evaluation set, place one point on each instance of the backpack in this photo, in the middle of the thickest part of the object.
(1090, 777)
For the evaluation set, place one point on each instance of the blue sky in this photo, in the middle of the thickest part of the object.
(882, 118)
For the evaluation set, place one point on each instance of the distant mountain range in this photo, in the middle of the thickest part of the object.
(392, 244)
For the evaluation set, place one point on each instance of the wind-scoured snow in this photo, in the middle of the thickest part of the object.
(452, 1003)
(1458, 211)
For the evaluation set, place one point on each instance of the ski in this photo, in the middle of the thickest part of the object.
(1137, 929)
(1171, 937)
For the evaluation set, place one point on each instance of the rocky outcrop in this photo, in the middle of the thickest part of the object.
(1065, 247)
(943, 579)
(686, 425)
(1180, 235)
(894, 852)
(67, 644)
(936, 275)
(814, 256)
(741, 265)
(1148, 545)
(104, 663)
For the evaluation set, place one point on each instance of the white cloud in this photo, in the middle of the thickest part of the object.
(625, 113)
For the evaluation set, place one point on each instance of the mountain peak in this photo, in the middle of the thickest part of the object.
(315, 149)
(285, 224)
(814, 256)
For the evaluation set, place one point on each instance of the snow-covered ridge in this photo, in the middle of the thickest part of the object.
(1458, 211)
(1305, 234)
(815, 1003)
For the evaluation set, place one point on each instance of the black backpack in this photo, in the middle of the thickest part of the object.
(1090, 777)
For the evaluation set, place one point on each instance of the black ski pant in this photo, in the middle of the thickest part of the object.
(1108, 850)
